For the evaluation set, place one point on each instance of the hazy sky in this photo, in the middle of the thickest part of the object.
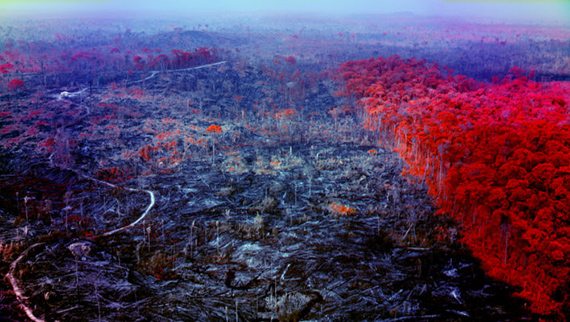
(525, 10)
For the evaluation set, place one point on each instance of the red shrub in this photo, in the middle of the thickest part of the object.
(15, 84)
(214, 128)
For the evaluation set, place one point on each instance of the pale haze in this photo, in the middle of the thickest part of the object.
(508, 11)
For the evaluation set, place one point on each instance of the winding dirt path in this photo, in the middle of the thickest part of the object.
(17, 290)
(155, 72)
(134, 223)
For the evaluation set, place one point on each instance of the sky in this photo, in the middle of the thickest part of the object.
(556, 11)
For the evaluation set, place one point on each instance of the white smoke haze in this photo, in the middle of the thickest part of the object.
(495, 11)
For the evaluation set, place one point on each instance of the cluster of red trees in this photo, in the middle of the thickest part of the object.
(496, 156)
(100, 59)
(5, 68)
(164, 153)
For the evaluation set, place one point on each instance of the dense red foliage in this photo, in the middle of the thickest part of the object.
(15, 84)
(495, 156)
(5, 68)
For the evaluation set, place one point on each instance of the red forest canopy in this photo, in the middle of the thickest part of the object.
(495, 156)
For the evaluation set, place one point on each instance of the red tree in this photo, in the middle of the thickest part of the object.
(15, 84)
